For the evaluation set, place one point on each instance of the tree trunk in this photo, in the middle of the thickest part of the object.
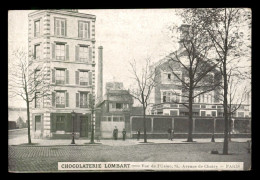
(92, 128)
(29, 127)
(144, 118)
(225, 146)
(190, 119)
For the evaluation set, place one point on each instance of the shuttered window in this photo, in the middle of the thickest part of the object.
(37, 28)
(60, 51)
(60, 99)
(83, 53)
(83, 78)
(37, 51)
(60, 76)
(83, 100)
(83, 29)
(60, 27)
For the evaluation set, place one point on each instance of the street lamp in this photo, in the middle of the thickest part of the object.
(213, 134)
(73, 114)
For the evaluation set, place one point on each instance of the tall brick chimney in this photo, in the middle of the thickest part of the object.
(100, 74)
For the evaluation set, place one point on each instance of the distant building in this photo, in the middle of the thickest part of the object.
(169, 91)
(17, 117)
(115, 109)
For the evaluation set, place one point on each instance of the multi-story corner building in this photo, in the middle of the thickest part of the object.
(167, 96)
(63, 41)
(115, 109)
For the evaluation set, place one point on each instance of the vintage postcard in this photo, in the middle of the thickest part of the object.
(116, 90)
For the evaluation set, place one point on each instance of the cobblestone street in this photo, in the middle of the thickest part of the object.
(43, 159)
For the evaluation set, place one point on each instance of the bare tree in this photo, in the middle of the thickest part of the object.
(237, 94)
(146, 81)
(199, 74)
(229, 32)
(27, 80)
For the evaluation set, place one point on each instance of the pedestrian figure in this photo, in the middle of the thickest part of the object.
(124, 134)
(115, 133)
(172, 133)
(169, 133)
(138, 134)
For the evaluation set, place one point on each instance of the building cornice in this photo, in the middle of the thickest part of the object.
(63, 12)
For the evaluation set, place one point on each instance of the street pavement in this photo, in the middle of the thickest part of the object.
(44, 154)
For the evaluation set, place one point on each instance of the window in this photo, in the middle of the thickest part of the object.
(119, 105)
(83, 29)
(60, 51)
(203, 113)
(83, 78)
(109, 119)
(83, 100)
(240, 114)
(37, 28)
(176, 96)
(60, 124)
(37, 100)
(213, 113)
(83, 53)
(121, 119)
(37, 51)
(125, 106)
(164, 96)
(36, 77)
(113, 105)
(116, 119)
(60, 28)
(169, 76)
(60, 99)
(104, 118)
(60, 76)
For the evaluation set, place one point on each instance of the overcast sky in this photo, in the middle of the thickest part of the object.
(124, 35)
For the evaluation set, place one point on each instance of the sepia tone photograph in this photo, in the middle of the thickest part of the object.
(129, 90)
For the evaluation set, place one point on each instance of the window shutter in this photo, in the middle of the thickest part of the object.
(67, 99)
(67, 53)
(65, 28)
(53, 99)
(90, 77)
(80, 29)
(77, 99)
(88, 100)
(86, 30)
(53, 75)
(90, 54)
(77, 77)
(67, 77)
(34, 52)
(53, 122)
(55, 27)
(76, 53)
(53, 51)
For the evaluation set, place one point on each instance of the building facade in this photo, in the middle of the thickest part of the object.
(63, 42)
(168, 95)
(115, 109)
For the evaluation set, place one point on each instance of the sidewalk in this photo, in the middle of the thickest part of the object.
(109, 142)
